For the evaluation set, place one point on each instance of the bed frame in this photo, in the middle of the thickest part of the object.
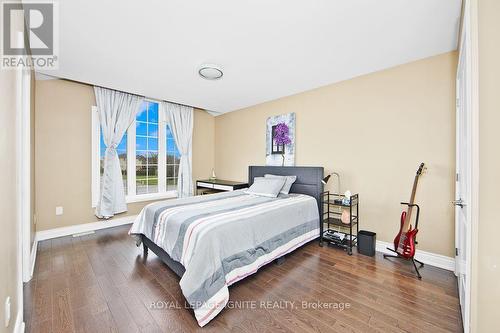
(308, 182)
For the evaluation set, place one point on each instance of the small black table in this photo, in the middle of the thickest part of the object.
(332, 212)
(218, 185)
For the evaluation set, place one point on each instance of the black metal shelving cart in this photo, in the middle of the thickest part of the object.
(334, 231)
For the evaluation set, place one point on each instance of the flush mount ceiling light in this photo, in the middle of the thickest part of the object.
(210, 72)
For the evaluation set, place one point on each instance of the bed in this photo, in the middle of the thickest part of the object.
(213, 241)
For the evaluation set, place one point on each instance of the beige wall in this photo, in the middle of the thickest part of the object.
(487, 280)
(374, 130)
(203, 145)
(8, 195)
(63, 153)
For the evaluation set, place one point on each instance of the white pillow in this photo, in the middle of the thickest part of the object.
(266, 187)
(289, 180)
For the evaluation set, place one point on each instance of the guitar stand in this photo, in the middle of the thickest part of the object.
(413, 260)
(398, 256)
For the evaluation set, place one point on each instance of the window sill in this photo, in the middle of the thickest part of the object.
(151, 197)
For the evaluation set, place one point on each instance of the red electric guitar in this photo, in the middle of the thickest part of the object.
(404, 242)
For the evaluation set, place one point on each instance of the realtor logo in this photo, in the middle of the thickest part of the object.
(29, 34)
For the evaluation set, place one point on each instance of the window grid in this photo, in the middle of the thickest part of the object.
(156, 160)
(147, 149)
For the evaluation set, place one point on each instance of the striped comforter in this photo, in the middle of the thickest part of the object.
(222, 238)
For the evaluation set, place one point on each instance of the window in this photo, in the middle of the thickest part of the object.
(146, 149)
(149, 158)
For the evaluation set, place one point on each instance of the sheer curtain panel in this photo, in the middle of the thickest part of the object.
(117, 111)
(180, 118)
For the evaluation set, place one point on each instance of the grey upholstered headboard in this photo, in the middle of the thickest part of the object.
(308, 179)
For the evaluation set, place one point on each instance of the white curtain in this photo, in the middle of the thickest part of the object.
(180, 118)
(117, 110)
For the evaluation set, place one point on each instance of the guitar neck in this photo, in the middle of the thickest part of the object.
(410, 208)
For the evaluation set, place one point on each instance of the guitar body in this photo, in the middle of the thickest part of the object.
(406, 246)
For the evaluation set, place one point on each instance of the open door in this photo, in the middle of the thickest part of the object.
(463, 188)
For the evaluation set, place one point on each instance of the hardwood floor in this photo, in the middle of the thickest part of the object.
(101, 283)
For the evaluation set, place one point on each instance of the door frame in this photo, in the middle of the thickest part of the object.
(25, 254)
(23, 190)
(469, 34)
(25, 179)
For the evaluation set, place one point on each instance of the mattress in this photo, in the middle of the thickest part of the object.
(224, 237)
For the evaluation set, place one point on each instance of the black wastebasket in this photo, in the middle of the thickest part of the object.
(366, 242)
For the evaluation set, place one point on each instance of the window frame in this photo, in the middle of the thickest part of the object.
(132, 196)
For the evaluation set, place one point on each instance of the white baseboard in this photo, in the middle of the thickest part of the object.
(34, 249)
(19, 325)
(85, 227)
(428, 258)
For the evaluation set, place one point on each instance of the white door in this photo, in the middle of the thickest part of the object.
(464, 175)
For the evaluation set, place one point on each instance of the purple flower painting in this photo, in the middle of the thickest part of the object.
(280, 144)
(281, 136)
(281, 139)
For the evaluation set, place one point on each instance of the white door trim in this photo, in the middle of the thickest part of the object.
(469, 34)
(25, 169)
(16, 319)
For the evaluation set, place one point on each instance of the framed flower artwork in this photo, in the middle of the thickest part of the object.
(280, 140)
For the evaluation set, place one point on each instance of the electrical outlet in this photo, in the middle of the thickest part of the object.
(7, 311)
(59, 210)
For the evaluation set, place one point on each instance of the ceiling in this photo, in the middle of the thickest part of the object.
(267, 48)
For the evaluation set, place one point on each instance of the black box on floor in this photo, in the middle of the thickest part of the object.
(366, 242)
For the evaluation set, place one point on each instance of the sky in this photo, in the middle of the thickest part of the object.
(146, 133)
